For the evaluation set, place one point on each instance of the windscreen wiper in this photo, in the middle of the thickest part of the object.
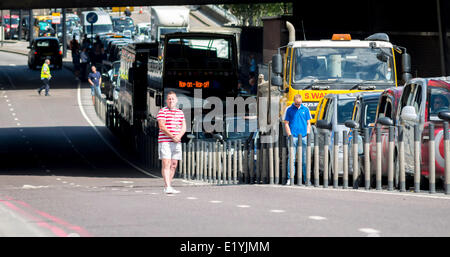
(319, 85)
(363, 85)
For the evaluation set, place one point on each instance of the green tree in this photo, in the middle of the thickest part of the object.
(251, 14)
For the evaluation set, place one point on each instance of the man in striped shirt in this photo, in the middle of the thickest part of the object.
(172, 127)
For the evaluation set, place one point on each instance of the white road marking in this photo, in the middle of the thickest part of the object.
(138, 191)
(126, 182)
(215, 201)
(317, 218)
(243, 206)
(11, 109)
(18, 124)
(191, 198)
(33, 187)
(13, 114)
(277, 211)
(370, 232)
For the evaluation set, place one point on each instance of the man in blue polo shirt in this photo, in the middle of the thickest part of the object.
(297, 122)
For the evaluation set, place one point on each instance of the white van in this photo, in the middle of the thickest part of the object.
(103, 24)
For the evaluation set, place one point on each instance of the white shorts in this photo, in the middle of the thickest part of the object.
(169, 150)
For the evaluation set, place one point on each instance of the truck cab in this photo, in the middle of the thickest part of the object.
(341, 65)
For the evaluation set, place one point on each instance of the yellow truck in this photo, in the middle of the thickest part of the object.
(339, 65)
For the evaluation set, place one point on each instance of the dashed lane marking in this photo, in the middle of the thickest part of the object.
(317, 218)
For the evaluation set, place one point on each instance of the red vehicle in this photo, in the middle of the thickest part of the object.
(423, 101)
(11, 26)
(386, 115)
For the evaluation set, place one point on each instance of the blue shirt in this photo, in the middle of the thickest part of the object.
(95, 78)
(298, 119)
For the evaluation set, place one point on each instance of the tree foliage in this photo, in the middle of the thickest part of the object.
(251, 14)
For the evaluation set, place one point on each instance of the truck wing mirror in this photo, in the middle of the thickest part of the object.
(444, 115)
(385, 121)
(323, 124)
(409, 113)
(406, 67)
(351, 124)
(277, 64)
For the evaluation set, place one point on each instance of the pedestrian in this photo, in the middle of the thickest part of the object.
(95, 80)
(75, 48)
(45, 77)
(172, 127)
(297, 121)
(84, 58)
(127, 12)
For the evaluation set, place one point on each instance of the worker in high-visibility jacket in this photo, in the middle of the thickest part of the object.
(45, 77)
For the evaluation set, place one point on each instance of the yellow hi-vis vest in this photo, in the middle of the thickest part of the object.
(45, 74)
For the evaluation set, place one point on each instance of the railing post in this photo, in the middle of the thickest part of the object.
(336, 160)
(366, 159)
(277, 160)
(299, 159)
(345, 156)
(447, 158)
(355, 159)
(291, 160)
(401, 159)
(316, 159)
(308, 160)
(325, 159)
(391, 159)
(417, 172)
(431, 159)
(379, 156)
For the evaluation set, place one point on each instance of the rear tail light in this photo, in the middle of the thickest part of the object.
(35, 52)
(60, 52)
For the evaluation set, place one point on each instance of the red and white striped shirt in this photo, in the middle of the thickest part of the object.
(174, 121)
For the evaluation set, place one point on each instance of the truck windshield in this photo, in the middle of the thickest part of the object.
(164, 31)
(343, 63)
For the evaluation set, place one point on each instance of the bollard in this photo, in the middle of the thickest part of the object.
(299, 160)
(325, 160)
(401, 159)
(283, 161)
(316, 159)
(291, 160)
(366, 159)
(205, 162)
(197, 160)
(234, 157)
(214, 162)
(189, 160)
(447, 158)
(229, 147)
(378, 171)
(264, 169)
(210, 144)
(219, 163)
(276, 152)
(200, 162)
(431, 159)
(184, 161)
(416, 159)
(271, 175)
(238, 161)
(245, 163)
(224, 163)
(345, 156)
(258, 161)
(252, 162)
(391, 159)
(308, 160)
(336, 161)
(355, 159)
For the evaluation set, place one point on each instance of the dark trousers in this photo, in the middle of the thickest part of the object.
(83, 71)
(46, 86)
